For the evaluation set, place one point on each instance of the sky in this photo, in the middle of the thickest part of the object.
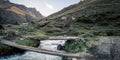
(46, 7)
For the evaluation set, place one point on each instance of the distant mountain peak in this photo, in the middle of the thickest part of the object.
(11, 13)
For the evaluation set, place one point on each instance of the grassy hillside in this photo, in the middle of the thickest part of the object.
(96, 16)
(87, 6)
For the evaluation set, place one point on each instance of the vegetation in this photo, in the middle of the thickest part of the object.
(99, 18)
(92, 18)
(28, 42)
(79, 45)
(11, 34)
(7, 50)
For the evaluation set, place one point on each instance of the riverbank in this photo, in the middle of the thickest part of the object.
(101, 47)
(7, 50)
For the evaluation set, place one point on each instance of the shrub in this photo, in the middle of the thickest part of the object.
(84, 19)
(78, 45)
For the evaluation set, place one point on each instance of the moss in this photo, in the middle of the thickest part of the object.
(28, 42)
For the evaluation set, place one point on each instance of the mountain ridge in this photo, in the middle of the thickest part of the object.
(17, 13)
(82, 5)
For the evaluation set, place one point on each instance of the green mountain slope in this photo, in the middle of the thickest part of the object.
(99, 16)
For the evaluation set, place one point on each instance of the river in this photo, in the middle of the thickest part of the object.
(30, 55)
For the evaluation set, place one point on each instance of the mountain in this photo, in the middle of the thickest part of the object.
(11, 13)
(101, 16)
(88, 7)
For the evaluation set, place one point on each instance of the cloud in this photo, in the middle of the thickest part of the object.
(49, 5)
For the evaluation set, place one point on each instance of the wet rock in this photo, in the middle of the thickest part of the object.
(60, 47)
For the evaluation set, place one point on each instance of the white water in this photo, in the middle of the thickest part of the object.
(29, 55)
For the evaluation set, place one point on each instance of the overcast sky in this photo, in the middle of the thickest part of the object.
(46, 7)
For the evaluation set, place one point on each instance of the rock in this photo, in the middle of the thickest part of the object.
(60, 47)
(115, 48)
(107, 48)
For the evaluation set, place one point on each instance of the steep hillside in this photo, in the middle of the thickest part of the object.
(88, 7)
(97, 16)
(11, 13)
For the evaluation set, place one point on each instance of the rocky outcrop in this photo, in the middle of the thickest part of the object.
(11, 13)
(107, 48)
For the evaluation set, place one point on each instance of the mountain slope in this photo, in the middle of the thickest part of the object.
(11, 13)
(86, 7)
(101, 16)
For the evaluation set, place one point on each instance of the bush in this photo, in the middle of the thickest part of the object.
(78, 45)
(84, 19)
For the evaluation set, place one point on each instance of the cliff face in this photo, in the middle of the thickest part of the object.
(11, 13)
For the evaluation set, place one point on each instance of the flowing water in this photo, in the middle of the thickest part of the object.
(29, 55)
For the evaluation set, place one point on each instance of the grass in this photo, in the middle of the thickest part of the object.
(40, 34)
(28, 42)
